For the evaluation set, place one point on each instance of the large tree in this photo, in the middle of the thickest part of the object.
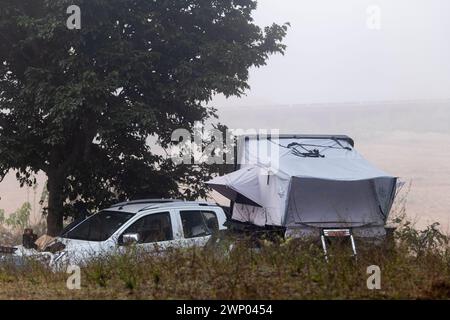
(80, 104)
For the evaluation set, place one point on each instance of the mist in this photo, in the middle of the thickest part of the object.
(333, 55)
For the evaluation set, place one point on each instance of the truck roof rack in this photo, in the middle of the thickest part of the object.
(144, 201)
(178, 203)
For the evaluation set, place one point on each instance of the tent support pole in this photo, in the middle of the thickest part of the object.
(353, 244)
(324, 246)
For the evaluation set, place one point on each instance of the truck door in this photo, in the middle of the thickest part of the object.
(154, 232)
(198, 225)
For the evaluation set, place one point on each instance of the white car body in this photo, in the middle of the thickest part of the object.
(78, 251)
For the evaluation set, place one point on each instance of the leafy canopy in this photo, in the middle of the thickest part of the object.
(81, 104)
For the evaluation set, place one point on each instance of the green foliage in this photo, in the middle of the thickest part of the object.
(80, 104)
(2, 216)
(418, 242)
(20, 219)
(421, 242)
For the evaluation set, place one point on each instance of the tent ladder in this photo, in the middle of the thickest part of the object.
(324, 246)
(335, 233)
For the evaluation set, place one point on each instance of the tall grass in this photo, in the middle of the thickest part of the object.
(283, 270)
(414, 265)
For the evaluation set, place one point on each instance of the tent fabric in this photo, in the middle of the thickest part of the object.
(335, 187)
(337, 164)
(254, 183)
(243, 181)
(249, 213)
(319, 203)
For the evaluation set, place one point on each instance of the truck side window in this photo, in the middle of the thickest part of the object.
(198, 223)
(152, 228)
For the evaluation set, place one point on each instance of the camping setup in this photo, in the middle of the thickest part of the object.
(307, 184)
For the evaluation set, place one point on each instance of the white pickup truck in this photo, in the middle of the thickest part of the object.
(144, 223)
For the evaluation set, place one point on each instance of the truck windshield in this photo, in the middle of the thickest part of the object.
(98, 227)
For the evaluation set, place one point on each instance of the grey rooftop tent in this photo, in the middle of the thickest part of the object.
(306, 184)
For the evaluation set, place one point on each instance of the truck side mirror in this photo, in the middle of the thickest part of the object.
(130, 238)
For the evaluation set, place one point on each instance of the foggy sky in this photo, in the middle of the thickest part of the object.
(334, 57)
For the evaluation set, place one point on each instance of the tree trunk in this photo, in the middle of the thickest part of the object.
(55, 187)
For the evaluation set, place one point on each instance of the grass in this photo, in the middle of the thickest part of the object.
(284, 270)
(415, 265)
